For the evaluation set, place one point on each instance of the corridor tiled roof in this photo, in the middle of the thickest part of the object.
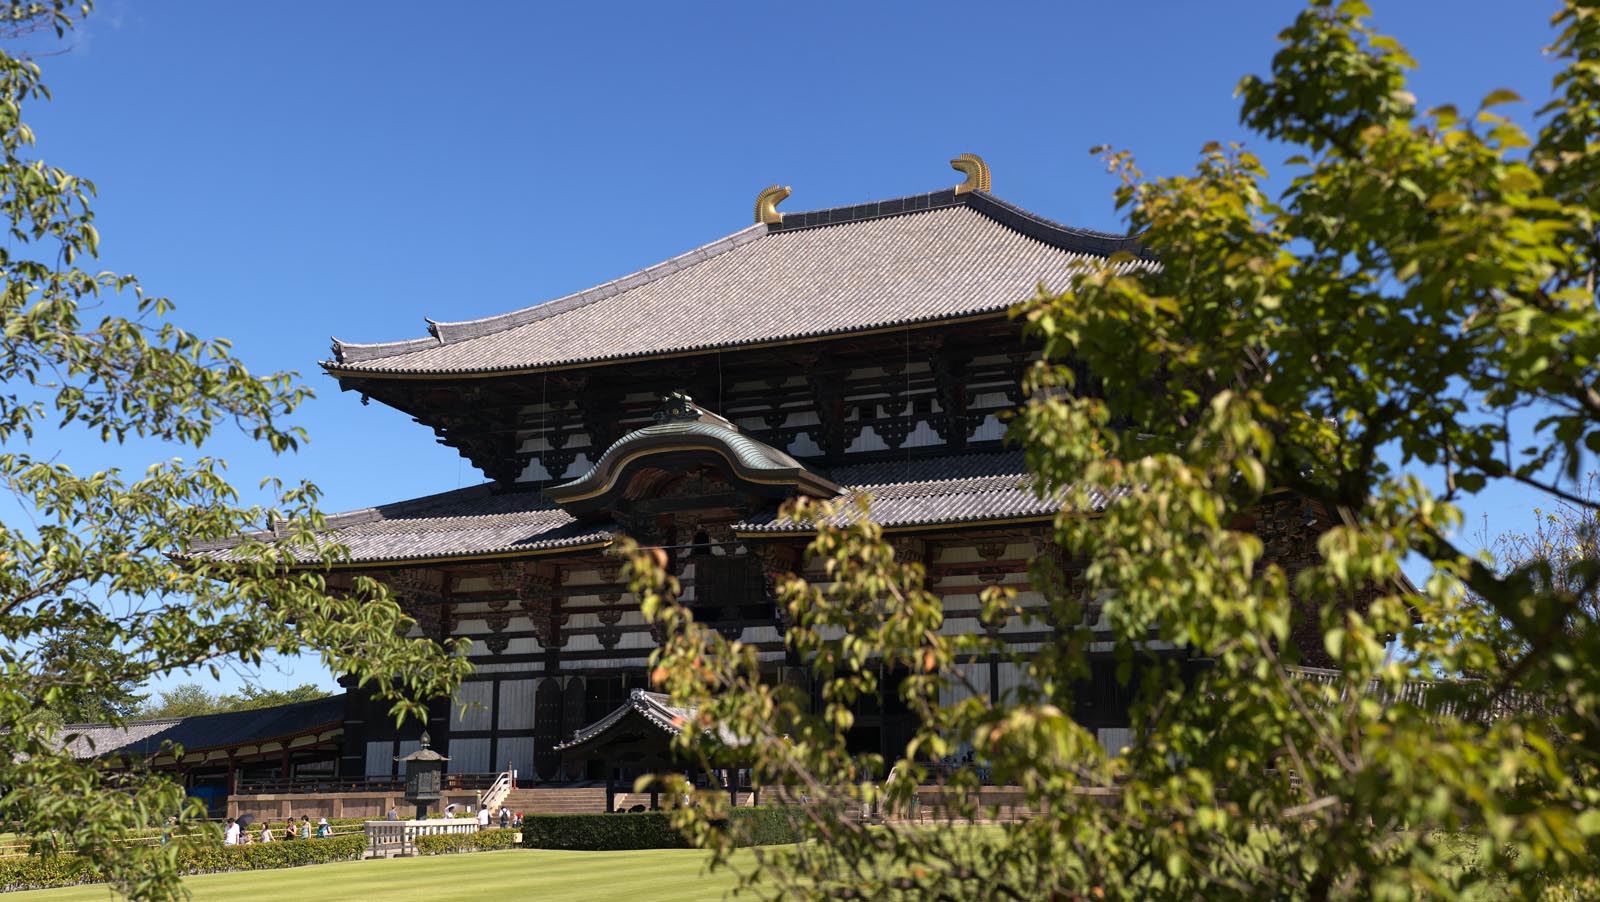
(203, 731)
(903, 261)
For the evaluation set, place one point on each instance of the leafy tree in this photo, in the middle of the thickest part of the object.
(141, 562)
(1424, 278)
(89, 657)
(1563, 546)
(182, 700)
(249, 698)
(188, 699)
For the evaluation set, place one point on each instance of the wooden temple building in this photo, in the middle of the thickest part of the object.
(859, 349)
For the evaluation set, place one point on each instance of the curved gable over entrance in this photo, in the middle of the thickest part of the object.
(691, 454)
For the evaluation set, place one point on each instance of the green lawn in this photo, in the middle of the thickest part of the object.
(656, 875)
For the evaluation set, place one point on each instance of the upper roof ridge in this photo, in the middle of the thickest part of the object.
(1065, 237)
(1052, 234)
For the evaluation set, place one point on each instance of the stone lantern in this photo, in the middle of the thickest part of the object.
(424, 777)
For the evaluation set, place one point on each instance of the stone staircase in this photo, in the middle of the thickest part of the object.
(627, 800)
(557, 800)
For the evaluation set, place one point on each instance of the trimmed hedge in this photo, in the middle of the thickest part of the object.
(193, 830)
(481, 841)
(767, 825)
(40, 872)
(763, 826)
(601, 832)
(280, 854)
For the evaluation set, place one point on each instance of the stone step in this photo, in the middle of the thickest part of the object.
(557, 800)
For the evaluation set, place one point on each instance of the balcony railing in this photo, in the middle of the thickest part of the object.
(323, 785)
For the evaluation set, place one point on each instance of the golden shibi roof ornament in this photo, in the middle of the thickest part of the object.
(977, 173)
(767, 204)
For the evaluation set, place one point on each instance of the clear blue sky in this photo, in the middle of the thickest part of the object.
(289, 171)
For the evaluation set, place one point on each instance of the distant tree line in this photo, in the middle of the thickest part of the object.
(189, 699)
(101, 701)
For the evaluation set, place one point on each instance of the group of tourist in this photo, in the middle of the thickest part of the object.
(504, 816)
(241, 834)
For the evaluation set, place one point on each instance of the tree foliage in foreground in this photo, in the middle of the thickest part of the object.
(1426, 278)
(1562, 544)
(128, 558)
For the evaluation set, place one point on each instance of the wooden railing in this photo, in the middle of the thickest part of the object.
(324, 785)
(389, 838)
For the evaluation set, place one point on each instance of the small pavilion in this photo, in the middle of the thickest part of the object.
(636, 739)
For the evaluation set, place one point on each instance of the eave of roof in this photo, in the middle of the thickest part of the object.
(472, 524)
(970, 490)
(976, 489)
(389, 360)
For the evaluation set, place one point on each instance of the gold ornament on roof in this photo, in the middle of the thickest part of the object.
(767, 204)
(977, 172)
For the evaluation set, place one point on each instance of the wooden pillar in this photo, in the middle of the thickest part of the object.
(611, 789)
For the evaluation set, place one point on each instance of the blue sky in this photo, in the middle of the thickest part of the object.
(293, 170)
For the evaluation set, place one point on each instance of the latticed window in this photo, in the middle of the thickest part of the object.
(729, 588)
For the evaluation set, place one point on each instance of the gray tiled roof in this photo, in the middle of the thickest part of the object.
(203, 731)
(477, 522)
(968, 488)
(467, 522)
(909, 260)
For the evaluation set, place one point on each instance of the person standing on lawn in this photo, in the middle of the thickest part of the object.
(305, 826)
(323, 830)
(266, 831)
(483, 817)
(230, 835)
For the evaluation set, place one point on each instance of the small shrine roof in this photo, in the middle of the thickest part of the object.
(654, 708)
(909, 260)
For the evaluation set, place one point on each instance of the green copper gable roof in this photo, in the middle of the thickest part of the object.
(754, 465)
